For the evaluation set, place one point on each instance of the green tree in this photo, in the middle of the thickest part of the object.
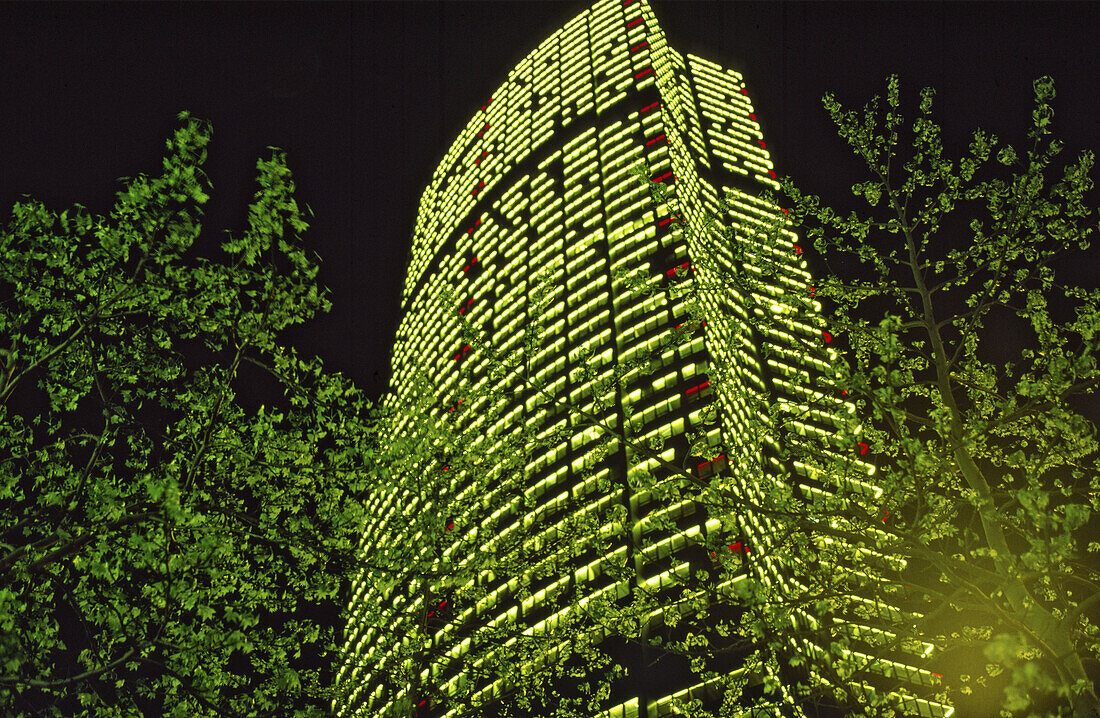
(167, 544)
(458, 451)
(164, 549)
(988, 474)
(985, 479)
(440, 548)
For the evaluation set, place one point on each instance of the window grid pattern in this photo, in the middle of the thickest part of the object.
(538, 181)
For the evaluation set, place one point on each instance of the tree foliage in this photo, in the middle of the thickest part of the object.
(988, 474)
(966, 547)
(166, 544)
(442, 546)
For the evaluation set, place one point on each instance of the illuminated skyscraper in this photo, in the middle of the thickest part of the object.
(538, 181)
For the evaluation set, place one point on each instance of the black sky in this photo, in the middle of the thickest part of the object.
(366, 97)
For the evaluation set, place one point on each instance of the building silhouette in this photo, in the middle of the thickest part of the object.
(539, 181)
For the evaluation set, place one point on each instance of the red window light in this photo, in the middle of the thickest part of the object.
(666, 174)
(744, 91)
(462, 352)
(798, 250)
(471, 229)
(469, 264)
(703, 323)
(483, 129)
(887, 517)
(643, 73)
(844, 393)
(437, 608)
(478, 160)
(771, 174)
(640, 45)
(431, 701)
(761, 143)
(735, 547)
(466, 306)
(863, 448)
(784, 210)
(812, 291)
(649, 107)
(487, 104)
(478, 188)
(674, 218)
(938, 675)
(708, 463)
(693, 389)
(634, 22)
(685, 265)
(656, 139)
(752, 117)
(827, 336)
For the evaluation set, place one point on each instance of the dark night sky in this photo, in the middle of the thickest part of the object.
(366, 97)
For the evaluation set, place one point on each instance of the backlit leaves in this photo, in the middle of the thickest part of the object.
(945, 419)
(140, 476)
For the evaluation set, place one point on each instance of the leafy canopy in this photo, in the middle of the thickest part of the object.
(166, 545)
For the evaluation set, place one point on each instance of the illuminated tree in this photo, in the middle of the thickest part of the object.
(969, 536)
(439, 578)
(989, 475)
(167, 545)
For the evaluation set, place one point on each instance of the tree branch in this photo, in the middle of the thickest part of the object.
(10, 383)
(213, 418)
(1081, 607)
(69, 548)
(13, 680)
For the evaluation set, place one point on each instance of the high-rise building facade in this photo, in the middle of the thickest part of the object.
(539, 182)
